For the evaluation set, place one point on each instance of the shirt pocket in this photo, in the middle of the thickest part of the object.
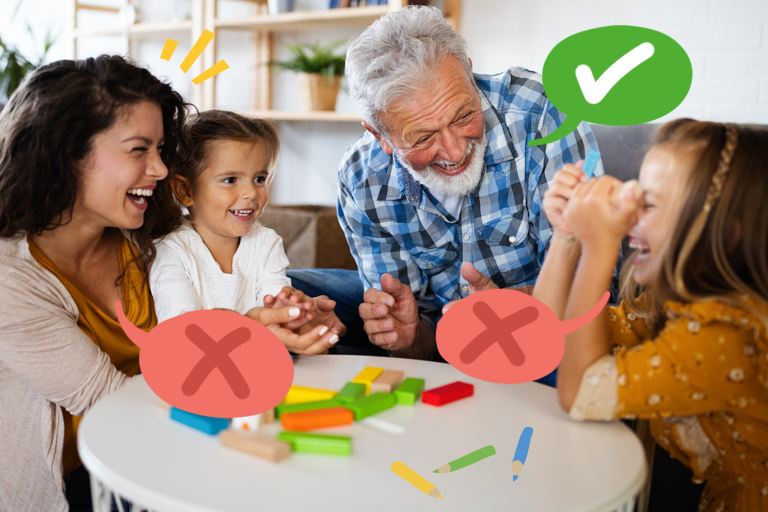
(434, 260)
(506, 231)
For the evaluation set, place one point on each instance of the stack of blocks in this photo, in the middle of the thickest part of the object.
(374, 390)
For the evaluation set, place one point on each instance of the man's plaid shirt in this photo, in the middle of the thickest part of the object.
(395, 225)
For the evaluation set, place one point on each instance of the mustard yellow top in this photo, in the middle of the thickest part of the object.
(104, 330)
(703, 383)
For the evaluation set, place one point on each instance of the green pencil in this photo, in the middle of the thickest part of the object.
(467, 460)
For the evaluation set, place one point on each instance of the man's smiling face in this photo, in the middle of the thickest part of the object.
(438, 134)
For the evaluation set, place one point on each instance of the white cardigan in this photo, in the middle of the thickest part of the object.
(47, 363)
(184, 276)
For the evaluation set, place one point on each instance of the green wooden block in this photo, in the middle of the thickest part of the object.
(408, 392)
(372, 404)
(350, 392)
(317, 443)
(306, 406)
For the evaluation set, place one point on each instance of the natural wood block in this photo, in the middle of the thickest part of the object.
(163, 404)
(268, 416)
(388, 380)
(256, 444)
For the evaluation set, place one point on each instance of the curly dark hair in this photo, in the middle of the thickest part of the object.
(48, 127)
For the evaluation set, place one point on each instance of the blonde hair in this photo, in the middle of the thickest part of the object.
(719, 247)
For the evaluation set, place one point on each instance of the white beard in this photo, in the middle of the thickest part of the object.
(459, 185)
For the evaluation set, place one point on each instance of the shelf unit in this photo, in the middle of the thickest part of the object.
(263, 25)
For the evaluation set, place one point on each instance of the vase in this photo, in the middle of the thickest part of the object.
(318, 92)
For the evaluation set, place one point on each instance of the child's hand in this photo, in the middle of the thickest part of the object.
(291, 297)
(323, 314)
(318, 340)
(601, 212)
(556, 198)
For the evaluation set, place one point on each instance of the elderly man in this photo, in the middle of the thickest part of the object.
(442, 195)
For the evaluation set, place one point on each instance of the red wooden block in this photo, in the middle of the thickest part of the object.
(448, 393)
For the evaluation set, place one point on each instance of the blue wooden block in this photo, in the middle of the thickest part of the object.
(205, 424)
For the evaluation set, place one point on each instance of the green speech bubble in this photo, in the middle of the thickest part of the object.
(617, 75)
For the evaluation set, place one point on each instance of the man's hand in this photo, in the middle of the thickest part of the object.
(476, 282)
(391, 315)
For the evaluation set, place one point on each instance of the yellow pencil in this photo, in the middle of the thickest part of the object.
(415, 479)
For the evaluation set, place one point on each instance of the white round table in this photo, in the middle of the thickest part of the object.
(132, 448)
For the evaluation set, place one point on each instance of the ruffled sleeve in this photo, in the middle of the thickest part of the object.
(709, 356)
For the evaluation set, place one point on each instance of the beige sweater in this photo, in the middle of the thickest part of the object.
(46, 363)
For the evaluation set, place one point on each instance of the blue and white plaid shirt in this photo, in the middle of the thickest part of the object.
(395, 225)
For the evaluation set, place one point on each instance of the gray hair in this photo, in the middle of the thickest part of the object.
(394, 57)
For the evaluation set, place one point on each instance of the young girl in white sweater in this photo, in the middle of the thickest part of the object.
(221, 257)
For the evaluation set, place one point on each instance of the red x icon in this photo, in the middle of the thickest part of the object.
(216, 356)
(247, 371)
(499, 331)
(477, 330)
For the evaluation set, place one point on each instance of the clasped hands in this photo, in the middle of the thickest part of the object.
(305, 325)
(598, 212)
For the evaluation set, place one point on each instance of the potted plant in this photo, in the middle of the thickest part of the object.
(320, 72)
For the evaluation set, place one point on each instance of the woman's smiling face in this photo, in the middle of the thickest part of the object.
(122, 169)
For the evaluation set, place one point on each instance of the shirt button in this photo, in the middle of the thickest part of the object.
(466, 237)
(430, 265)
(464, 289)
(512, 239)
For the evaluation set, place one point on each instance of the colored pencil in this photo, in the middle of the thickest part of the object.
(467, 460)
(590, 162)
(415, 479)
(521, 453)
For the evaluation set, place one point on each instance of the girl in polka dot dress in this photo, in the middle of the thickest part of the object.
(687, 347)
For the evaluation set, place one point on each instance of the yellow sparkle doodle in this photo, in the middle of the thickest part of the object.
(202, 42)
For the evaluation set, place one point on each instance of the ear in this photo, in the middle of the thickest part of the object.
(180, 187)
(384, 144)
(470, 63)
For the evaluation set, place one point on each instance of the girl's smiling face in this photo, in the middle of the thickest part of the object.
(662, 180)
(229, 194)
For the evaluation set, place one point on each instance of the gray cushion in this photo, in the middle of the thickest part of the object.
(622, 148)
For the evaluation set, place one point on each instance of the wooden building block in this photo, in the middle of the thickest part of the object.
(372, 404)
(350, 392)
(163, 404)
(268, 416)
(207, 424)
(367, 376)
(256, 444)
(300, 394)
(387, 381)
(409, 391)
(448, 393)
(317, 443)
(319, 418)
(249, 423)
(305, 406)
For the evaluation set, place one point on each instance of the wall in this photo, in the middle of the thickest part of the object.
(727, 41)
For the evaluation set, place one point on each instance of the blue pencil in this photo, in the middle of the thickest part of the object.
(590, 162)
(521, 452)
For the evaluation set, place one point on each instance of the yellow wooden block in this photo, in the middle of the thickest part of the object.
(367, 376)
(300, 394)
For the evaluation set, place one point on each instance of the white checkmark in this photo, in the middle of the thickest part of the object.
(595, 90)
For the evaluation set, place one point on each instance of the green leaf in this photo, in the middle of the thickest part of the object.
(314, 58)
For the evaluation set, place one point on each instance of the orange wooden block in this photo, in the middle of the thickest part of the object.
(256, 444)
(319, 418)
(268, 416)
(387, 381)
